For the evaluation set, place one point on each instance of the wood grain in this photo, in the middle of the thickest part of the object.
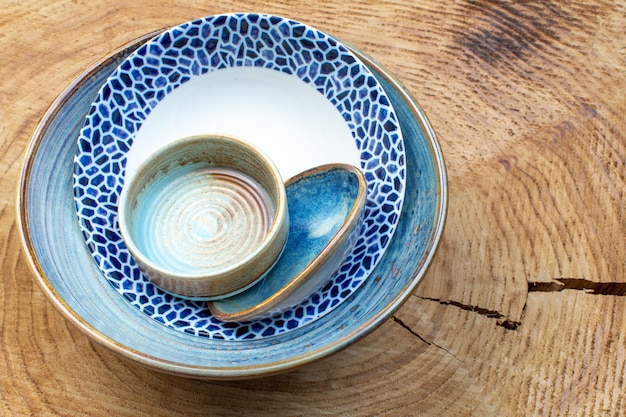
(523, 310)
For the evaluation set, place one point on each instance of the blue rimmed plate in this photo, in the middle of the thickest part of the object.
(69, 278)
(297, 93)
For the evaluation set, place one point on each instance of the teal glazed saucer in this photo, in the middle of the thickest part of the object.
(71, 280)
(325, 218)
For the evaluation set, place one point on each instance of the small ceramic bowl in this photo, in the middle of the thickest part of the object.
(204, 217)
(325, 218)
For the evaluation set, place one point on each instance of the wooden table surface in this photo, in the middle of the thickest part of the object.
(523, 311)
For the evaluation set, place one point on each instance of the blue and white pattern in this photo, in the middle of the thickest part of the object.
(210, 44)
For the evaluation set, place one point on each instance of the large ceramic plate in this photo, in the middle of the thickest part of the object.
(297, 93)
(67, 275)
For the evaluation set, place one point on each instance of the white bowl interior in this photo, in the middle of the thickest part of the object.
(295, 125)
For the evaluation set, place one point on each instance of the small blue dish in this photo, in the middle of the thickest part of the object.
(326, 214)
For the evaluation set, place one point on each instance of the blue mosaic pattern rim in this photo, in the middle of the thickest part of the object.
(208, 44)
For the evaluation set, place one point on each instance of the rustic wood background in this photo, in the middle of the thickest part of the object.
(523, 311)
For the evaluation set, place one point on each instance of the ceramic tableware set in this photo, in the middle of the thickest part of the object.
(232, 197)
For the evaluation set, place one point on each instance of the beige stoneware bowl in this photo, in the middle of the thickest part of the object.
(204, 217)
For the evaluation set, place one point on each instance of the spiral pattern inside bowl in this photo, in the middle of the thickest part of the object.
(201, 218)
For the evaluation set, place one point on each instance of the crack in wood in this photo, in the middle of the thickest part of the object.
(414, 333)
(403, 324)
(494, 314)
(592, 287)
(557, 285)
